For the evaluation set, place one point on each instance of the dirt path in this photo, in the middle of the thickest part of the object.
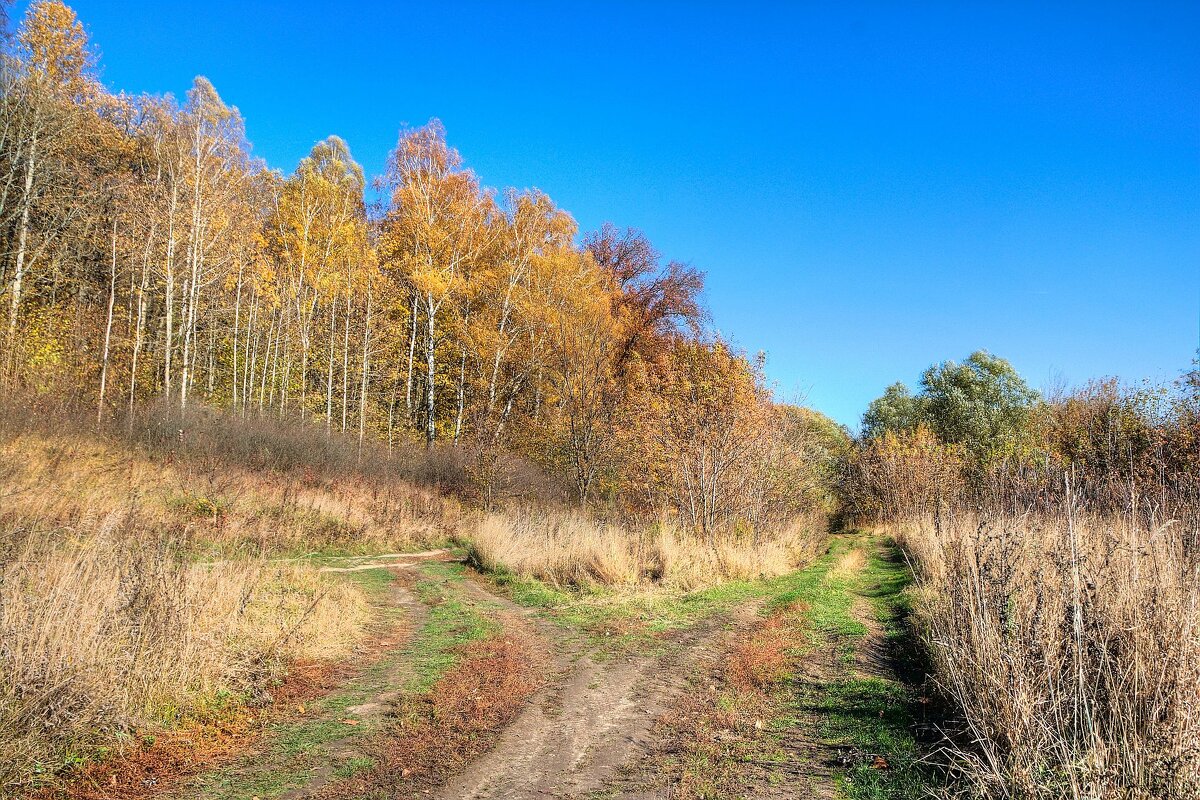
(300, 755)
(381, 698)
(841, 666)
(816, 764)
(596, 716)
(836, 726)
(604, 724)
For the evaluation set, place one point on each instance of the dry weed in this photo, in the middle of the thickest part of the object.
(1072, 646)
(105, 630)
(572, 550)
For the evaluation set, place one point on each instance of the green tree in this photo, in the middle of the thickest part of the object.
(982, 404)
(897, 410)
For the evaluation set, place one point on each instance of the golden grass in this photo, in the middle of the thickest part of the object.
(104, 629)
(61, 478)
(848, 564)
(572, 550)
(1071, 645)
(113, 620)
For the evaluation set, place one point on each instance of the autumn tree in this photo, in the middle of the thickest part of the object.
(48, 89)
(317, 236)
(438, 227)
(709, 437)
(584, 381)
(652, 302)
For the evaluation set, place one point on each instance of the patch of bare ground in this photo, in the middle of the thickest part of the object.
(709, 744)
(596, 716)
(871, 658)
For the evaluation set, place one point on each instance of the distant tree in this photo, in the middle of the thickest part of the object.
(896, 411)
(982, 404)
(816, 447)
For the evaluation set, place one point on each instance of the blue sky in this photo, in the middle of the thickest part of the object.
(869, 188)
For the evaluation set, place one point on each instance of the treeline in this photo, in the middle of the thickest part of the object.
(148, 257)
(976, 432)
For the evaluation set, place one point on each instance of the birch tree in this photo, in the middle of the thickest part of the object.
(436, 229)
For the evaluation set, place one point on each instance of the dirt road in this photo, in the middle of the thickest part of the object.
(466, 694)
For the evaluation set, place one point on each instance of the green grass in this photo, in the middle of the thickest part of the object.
(866, 720)
(616, 620)
(375, 582)
(353, 766)
(862, 717)
(870, 718)
(453, 622)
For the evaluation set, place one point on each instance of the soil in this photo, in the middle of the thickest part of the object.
(596, 717)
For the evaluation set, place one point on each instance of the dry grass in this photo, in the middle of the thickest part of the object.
(61, 479)
(104, 631)
(110, 626)
(761, 658)
(1072, 646)
(572, 550)
(435, 734)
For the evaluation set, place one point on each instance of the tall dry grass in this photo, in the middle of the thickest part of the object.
(568, 549)
(116, 618)
(1071, 644)
(105, 629)
(59, 478)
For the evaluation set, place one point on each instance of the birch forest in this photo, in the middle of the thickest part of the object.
(147, 258)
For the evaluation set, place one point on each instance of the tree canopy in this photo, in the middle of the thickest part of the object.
(981, 404)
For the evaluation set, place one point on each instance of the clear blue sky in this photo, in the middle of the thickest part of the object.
(870, 189)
